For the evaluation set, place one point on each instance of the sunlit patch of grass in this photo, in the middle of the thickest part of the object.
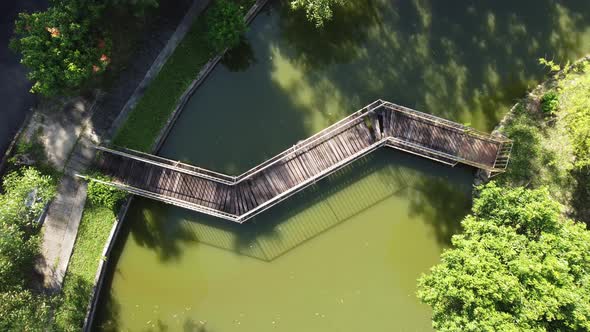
(93, 232)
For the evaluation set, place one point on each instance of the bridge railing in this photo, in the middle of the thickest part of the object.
(166, 199)
(447, 123)
(171, 164)
(503, 156)
(315, 139)
(319, 137)
(501, 160)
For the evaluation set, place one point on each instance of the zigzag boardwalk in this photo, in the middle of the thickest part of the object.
(238, 198)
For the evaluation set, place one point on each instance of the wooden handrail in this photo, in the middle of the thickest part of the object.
(355, 119)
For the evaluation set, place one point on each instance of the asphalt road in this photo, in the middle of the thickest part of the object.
(15, 98)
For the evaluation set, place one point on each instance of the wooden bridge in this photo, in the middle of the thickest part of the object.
(239, 198)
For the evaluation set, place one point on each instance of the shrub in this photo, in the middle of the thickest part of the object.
(549, 103)
(26, 192)
(20, 187)
(524, 162)
(225, 21)
(102, 194)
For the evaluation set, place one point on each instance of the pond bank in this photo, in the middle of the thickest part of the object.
(545, 151)
(292, 85)
(193, 13)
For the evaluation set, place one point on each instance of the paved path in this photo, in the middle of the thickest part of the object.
(65, 211)
(59, 231)
(69, 135)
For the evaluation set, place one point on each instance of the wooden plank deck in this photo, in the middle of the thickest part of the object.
(238, 198)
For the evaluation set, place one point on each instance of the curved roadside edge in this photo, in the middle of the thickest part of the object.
(184, 26)
(102, 265)
(201, 76)
(195, 10)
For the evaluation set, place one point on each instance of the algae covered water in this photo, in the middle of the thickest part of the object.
(344, 254)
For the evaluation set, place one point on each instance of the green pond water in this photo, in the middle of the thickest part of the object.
(344, 254)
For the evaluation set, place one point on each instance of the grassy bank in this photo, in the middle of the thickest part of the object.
(551, 143)
(138, 132)
(151, 113)
(93, 232)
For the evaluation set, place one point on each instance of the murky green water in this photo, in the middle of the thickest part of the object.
(345, 254)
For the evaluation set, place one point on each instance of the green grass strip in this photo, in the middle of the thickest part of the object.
(93, 232)
(147, 119)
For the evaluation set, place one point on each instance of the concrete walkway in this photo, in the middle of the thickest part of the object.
(59, 232)
(68, 144)
(68, 137)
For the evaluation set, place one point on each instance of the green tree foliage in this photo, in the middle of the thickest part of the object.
(25, 194)
(64, 46)
(317, 11)
(225, 21)
(103, 195)
(516, 267)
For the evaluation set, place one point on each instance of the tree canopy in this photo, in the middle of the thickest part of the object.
(317, 11)
(517, 266)
(67, 45)
(63, 47)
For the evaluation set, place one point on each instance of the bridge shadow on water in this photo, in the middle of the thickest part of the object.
(438, 194)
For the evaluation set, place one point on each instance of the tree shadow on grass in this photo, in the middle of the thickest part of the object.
(76, 296)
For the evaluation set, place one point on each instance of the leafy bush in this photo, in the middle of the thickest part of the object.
(64, 46)
(102, 194)
(517, 267)
(317, 11)
(23, 311)
(549, 103)
(527, 152)
(26, 192)
(225, 21)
